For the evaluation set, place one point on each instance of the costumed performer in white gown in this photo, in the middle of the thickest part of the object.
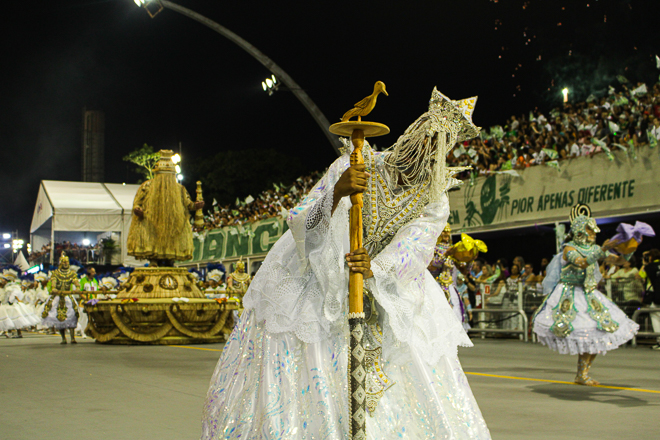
(6, 323)
(575, 317)
(41, 295)
(283, 372)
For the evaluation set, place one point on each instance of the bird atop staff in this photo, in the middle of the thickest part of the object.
(364, 107)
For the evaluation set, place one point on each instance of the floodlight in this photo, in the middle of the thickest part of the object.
(6, 236)
(86, 241)
(176, 158)
(178, 169)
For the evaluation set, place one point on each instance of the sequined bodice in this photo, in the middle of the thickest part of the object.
(387, 206)
(62, 280)
(572, 274)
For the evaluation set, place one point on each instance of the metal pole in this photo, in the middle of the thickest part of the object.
(280, 74)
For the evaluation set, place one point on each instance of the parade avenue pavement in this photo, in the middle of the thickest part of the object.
(90, 391)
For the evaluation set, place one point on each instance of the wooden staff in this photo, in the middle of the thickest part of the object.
(357, 374)
(355, 280)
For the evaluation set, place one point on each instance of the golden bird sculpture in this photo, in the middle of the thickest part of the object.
(364, 107)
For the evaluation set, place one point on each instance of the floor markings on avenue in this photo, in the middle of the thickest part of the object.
(195, 348)
(641, 390)
(495, 376)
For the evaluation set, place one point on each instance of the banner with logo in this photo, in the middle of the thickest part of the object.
(625, 185)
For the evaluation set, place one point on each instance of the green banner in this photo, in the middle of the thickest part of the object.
(234, 241)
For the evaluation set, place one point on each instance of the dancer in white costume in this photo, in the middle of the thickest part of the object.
(41, 296)
(283, 372)
(576, 318)
(6, 323)
(15, 305)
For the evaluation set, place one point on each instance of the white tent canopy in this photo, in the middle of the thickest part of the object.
(81, 206)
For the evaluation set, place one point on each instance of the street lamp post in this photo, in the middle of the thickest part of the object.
(276, 70)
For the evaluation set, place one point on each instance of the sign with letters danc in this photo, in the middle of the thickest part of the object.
(234, 241)
(542, 194)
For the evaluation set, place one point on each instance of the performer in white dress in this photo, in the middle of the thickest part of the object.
(215, 288)
(6, 323)
(576, 318)
(41, 295)
(15, 301)
(283, 371)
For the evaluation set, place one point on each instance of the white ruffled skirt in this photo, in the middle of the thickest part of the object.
(21, 315)
(274, 386)
(51, 320)
(585, 337)
(6, 322)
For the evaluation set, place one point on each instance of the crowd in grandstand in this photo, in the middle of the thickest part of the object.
(269, 203)
(84, 253)
(626, 119)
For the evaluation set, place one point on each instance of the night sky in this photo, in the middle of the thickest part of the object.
(170, 79)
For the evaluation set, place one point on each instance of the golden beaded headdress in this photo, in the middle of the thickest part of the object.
(419, 155)
(240, 264)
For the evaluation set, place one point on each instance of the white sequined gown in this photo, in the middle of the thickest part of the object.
(283, 372)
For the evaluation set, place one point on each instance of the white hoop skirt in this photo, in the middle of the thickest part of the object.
(274, 386)
(585, 337)
(71, 320)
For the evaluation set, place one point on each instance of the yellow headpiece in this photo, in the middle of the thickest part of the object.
(240, 265)
(447, 228)
(468, 249)
(165, 163)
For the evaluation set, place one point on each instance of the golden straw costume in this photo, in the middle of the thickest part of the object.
(61, 309)
(160, 228)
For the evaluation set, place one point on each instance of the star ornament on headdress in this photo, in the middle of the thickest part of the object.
(456, 112)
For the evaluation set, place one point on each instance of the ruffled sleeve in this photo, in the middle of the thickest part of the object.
(417, 310)
(301, 287)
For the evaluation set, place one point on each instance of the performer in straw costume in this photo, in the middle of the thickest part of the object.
(160, 229)
(283, 372)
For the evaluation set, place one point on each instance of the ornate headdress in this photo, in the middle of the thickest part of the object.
(581, 219)
(447, 228)
(109, 283)
(419, 155)
(215, 275)
(165, 163)
(63, 259)
(240, 264)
